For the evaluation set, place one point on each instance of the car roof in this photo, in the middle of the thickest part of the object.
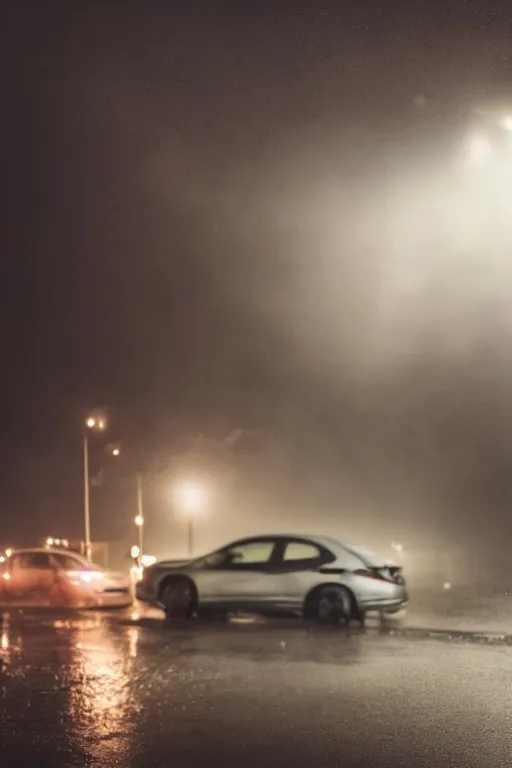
(327, 542)
(46, 551)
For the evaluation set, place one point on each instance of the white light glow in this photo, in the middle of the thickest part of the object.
(190, 498)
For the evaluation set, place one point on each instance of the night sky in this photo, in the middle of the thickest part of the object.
(194, 239)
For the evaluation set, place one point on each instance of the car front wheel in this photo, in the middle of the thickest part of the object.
(178, 598)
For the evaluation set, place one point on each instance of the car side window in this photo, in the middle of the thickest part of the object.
(65, 563)
(301, 550)
(31, 561)
(298, 555)
(252, 553)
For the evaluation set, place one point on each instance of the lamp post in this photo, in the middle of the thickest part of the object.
(92, 423)
(190, 498)
(139, 519)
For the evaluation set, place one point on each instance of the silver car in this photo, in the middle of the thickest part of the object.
(317, 577)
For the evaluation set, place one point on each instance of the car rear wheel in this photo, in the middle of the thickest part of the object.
(178, 598)
(332, 605)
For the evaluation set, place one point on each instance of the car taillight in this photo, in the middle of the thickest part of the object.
(396, 574)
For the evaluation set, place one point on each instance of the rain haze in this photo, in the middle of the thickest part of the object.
(268, 222)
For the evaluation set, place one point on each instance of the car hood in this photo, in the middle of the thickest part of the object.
(115, 577)
(172, 563)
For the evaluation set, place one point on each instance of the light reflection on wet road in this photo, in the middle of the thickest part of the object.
(124, 689)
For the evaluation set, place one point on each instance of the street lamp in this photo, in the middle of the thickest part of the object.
(139, 522)
(190, 498)
(97, 423)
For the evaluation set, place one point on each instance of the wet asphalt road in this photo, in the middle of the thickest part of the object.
(118, 689)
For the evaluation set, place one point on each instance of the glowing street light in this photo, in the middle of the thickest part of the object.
(139, 522)
(190, 499)
(116, 452)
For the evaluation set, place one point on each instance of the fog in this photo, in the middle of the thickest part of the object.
(283, 231)
(371, 269)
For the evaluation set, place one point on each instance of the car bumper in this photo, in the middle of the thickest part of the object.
(117, 599)
(390, 604)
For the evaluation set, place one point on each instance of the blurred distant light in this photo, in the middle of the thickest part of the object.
(7, 576)
(134, 552)
(447, 586)
(147, 560)
(2, 559)
(8, 552)
(65, 543)
(116, 452)
(139, 521)
(398, 548)
(97, 421)
(190, 497)
(49, 541)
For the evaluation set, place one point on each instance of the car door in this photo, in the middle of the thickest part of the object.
(296, 567)
(32, 576)
(239, 575)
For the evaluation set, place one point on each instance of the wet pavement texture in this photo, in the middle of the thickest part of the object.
(129, 689)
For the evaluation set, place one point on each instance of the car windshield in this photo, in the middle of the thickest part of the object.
(81, 563)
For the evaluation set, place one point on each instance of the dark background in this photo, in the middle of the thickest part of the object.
(196, 236)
